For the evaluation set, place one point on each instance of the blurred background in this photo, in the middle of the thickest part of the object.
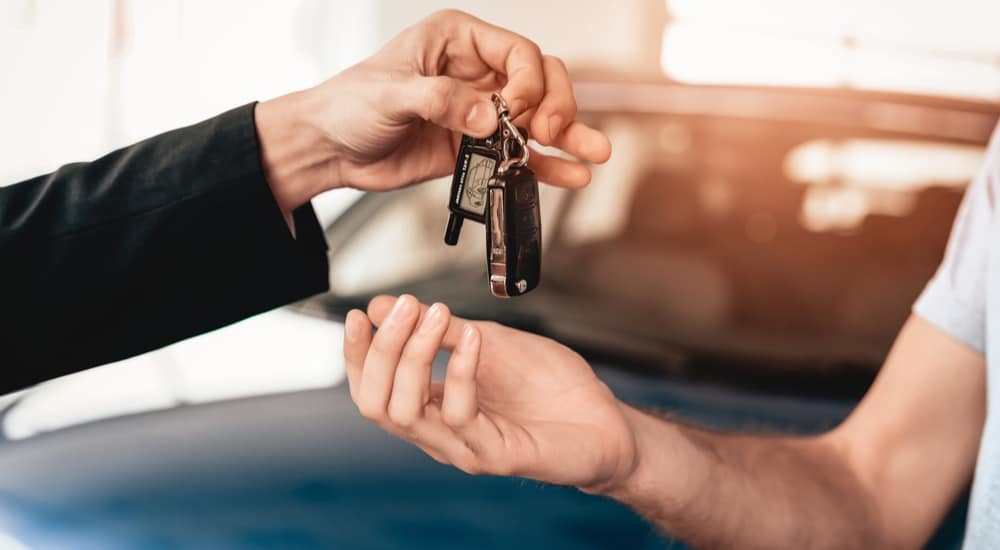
(783, 182)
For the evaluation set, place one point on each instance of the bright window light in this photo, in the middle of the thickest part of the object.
(280, 351)
(891, 45)
(707, 55)
(8, 542)
(888, 164)
(274, 352)
(960, 26)
(913, 72)
(827, 209)
(127, 387)
(851, 179)
(816, 17)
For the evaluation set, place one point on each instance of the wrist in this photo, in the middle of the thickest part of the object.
(628, 478)
(298, 160)
(668, 470)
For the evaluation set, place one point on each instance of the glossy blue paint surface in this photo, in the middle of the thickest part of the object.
(304, 471)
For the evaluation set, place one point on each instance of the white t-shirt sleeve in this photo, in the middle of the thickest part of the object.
(955, 298)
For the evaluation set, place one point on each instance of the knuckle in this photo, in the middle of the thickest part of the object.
(438, 96)
(383, 91)
(384, 346)
(468, 464)
(501, 467)
(464, 370)
(441, 22)
(448, 14)
(571, 106)
(453, 419)
(413, 355)
(531, 47)
(462, 375)
(438, 458)
(403, 417)
(371, 411)
(555, 62)
(555, 65)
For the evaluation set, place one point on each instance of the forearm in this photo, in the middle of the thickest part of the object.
(716, 490)
(153, 243)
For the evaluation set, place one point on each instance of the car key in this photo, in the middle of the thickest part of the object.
(514, 233)
(478, 161)
(513, 223)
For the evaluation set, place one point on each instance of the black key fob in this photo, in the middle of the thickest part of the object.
(513, 233)
(478, 161)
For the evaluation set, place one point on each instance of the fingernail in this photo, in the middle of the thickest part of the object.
(400, 309)
(555, 126)
(352, 328)
(469, 337)
(475, 118)
(433, 319)
(471, 118)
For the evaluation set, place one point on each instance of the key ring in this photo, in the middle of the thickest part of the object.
(508, 130)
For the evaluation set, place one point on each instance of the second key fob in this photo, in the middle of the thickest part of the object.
(513, 233)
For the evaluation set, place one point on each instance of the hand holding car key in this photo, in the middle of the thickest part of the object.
(493, 185)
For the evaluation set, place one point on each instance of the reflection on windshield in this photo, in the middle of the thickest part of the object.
(850, 180)
(274, 352)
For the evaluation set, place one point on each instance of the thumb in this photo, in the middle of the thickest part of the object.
(449, 103)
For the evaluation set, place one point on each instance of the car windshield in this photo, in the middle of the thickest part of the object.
(764, 245)
(786, 278)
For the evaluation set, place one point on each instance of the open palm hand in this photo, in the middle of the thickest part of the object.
(512, 403)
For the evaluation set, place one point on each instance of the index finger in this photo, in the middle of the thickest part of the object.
(584, 142)
(379, 307)
(503, 51)
(578, 140)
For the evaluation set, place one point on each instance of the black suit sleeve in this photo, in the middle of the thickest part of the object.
(151, 244)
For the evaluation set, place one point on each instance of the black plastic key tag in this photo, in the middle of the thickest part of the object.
(478, 160)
